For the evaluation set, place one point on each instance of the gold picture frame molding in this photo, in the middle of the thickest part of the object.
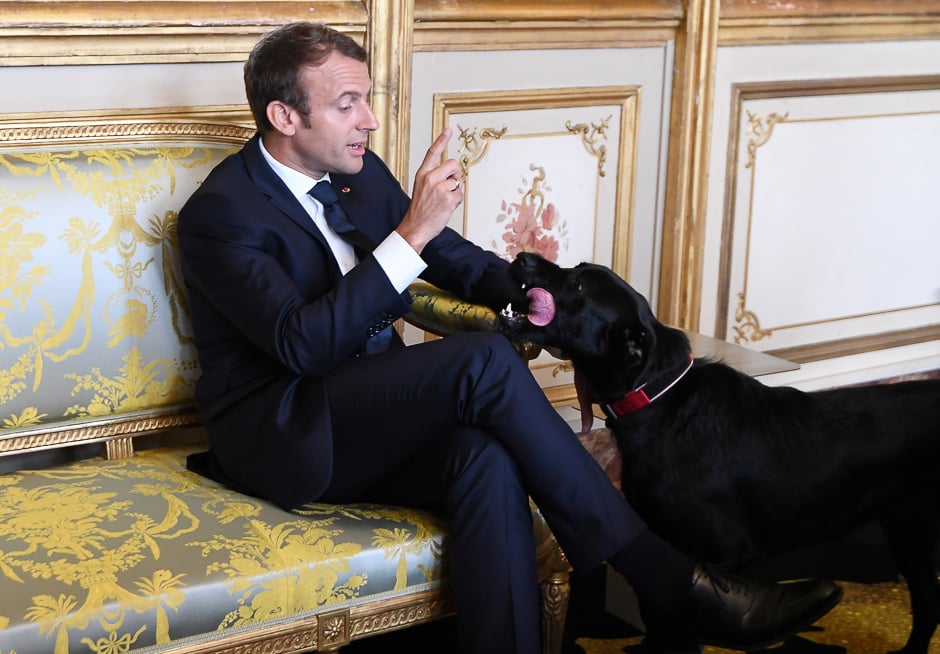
(740, 94)
(60, 32)
(746, 22)
(627, 98)
(223, 124)
(443, 25)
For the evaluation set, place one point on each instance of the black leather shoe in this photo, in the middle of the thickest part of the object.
(732, 613)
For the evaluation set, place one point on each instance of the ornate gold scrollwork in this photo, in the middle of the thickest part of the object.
(564, 366)
(748, 329)
(476, 145)
(534, 198)
(591, 135)
(761, 132)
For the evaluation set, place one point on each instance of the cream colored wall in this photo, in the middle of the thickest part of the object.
(828, 226)
(675, 64)
(615, 214)
(479, 74)
(828, 299)
(529, 75)
(129, 86)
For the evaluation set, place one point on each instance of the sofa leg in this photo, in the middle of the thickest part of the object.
(556, 591)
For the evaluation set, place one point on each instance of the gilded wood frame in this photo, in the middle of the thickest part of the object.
(741, 93)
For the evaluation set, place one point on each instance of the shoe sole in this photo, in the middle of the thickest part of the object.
(682, 646)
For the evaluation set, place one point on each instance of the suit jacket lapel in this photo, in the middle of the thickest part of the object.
(271, 185)
(282, 199)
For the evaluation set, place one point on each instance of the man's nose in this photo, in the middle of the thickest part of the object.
(369, 121)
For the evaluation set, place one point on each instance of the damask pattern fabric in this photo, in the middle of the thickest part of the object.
(93, 317)
(102, 556)
(442, 313)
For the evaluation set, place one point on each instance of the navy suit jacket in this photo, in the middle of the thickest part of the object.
(272, 314)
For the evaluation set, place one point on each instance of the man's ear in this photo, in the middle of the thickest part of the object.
(283, 117)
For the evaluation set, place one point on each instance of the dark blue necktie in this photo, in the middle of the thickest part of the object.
(338, 221)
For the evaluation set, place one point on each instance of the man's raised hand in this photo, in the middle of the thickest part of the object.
(438, 191)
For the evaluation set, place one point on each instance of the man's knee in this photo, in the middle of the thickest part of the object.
(493, 354)
(480, 465)
(495, 345)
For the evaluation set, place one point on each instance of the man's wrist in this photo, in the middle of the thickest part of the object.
(400, 261)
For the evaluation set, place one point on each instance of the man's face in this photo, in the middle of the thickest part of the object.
(333, 136)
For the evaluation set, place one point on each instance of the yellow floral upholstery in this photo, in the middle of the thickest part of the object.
(93, 317)
(442, 313)
(99, 556)
(130, 551)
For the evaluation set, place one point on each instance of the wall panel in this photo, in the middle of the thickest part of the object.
(580, 131)
(821, 213)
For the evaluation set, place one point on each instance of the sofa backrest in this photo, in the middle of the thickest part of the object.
(95, 343)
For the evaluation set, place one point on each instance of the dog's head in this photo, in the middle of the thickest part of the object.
(588, 314)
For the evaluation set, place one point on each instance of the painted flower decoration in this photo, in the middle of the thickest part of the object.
(532, 225)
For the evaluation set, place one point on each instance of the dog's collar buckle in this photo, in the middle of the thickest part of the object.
(637, 399)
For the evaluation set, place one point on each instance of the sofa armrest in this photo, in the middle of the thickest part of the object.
(442, 313)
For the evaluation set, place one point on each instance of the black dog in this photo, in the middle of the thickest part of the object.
(728, 468)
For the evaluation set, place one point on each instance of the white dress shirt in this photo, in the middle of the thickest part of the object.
(401, 263)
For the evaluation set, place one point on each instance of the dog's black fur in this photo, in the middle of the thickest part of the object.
(730, 469)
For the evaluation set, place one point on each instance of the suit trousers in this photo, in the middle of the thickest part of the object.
(460, 426)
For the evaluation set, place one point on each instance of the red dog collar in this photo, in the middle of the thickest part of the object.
(644, 395)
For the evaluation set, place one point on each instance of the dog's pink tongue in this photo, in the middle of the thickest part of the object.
(542, 307)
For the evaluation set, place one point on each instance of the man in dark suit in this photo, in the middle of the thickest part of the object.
(308, 394)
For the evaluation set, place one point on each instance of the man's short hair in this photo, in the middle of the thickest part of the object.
(274, 67)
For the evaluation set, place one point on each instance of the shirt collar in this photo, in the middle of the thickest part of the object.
(297, 182)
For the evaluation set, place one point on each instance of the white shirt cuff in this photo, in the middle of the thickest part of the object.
(400, 262)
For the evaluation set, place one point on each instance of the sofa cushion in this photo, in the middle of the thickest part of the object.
(102, 556)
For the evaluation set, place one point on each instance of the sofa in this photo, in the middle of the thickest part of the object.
(107, 542)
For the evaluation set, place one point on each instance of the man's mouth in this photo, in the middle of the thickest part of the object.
(541, 308)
